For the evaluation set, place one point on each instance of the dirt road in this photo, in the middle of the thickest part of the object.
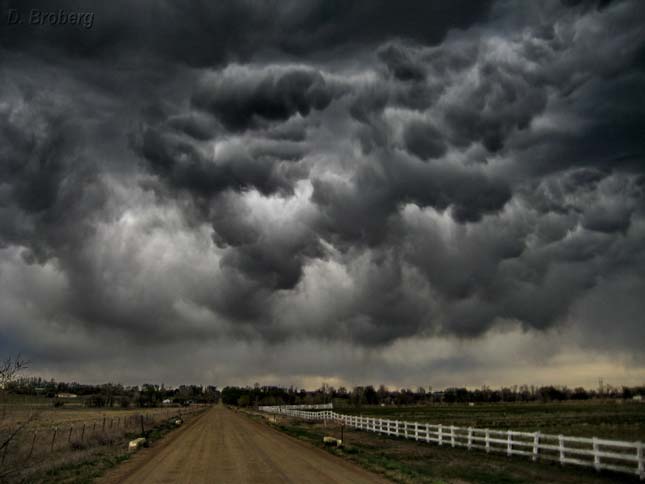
(223, 446)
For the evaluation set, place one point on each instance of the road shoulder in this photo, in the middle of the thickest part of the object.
(143, 456)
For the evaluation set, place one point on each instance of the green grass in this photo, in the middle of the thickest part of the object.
(406, 461)
(625, 421)
(14, 399)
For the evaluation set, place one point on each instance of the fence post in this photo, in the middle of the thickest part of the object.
(440, 434)
(470, 438)
(639, 456)
(69, 436)
(596, 455)
(103, 424)
(487, 441)
(33, 442)
(452, 435)
(536, 446)
(416, 431)
(428, 432)
(5, 450)
(83, 433)
(509, 443)
(561, 448)
(142, 429)
(51, 447)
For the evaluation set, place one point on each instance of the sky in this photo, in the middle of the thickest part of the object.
(301, 192)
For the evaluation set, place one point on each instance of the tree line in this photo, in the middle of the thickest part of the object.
(369, 395)
(113, 395)
(152, 395)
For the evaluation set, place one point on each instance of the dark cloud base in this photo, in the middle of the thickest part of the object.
(346, 173)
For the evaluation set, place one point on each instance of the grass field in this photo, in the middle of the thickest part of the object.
(73, 444)
(83, 462)
(48, 416)
(604, 419)
(405, 461)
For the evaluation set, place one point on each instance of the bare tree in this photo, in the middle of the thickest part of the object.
(9, 369)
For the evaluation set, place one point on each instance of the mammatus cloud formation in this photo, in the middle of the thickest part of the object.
(433, 193)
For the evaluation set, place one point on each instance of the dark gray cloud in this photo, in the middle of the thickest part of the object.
(209, 33)
(354, 176)
(424, 140)
(238, 98)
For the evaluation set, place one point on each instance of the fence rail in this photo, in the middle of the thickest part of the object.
(315, 406)
(593, 452)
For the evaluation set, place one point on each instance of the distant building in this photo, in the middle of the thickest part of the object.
(638, 398)
(66, 395)
(167, 401)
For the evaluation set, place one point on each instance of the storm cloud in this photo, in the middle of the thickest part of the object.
(363, 178)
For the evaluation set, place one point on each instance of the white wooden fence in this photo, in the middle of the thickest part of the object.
(280, 408)
(600, 454)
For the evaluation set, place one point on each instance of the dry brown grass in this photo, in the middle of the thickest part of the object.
(57, 436)
(48, 416)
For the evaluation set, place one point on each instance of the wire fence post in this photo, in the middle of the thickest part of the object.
(69, 435)
(83, 433)
(51, 447)
(5, 450)
(33, 443)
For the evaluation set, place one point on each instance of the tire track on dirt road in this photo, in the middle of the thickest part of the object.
(222, 446)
